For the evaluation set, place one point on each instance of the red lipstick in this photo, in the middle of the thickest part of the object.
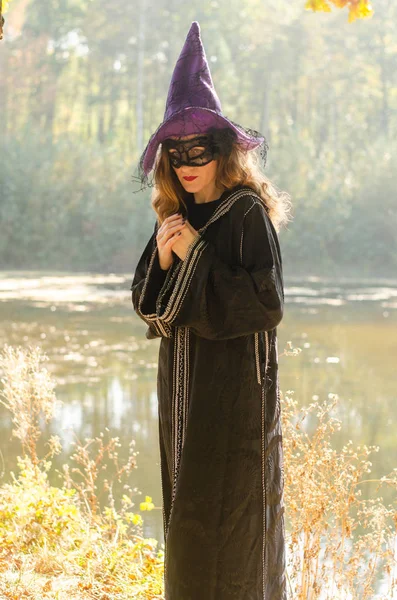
(190, 178)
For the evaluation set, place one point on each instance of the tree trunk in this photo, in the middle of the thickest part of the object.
(140, 77)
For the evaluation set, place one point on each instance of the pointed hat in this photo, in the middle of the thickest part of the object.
(193, 105)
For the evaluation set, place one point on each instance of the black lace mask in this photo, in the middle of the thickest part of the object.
(195, 152)
(199, 150)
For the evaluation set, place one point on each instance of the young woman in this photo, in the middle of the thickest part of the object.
(209, 284)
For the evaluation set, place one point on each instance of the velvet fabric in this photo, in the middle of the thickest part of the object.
(220, 435)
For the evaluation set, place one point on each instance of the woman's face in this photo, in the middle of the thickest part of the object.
(204, 174)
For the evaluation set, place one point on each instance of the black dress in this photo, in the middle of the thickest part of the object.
(220, 436)
(199, 213)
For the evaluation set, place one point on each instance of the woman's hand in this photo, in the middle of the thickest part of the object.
(184, 239)
(175, 234)
(167, 235)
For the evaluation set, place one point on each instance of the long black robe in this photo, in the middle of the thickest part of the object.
(220, 434)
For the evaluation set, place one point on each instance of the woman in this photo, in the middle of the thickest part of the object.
(209, 284)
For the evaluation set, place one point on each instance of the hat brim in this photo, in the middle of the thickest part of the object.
(195, 119)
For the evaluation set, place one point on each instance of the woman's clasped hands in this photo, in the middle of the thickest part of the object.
(175, 234)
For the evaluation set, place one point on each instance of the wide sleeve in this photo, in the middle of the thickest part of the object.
(220, 301)
(148, 280)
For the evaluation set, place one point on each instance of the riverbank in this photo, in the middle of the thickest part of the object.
(57, 542)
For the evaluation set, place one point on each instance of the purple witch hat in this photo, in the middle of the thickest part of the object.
(193, 106)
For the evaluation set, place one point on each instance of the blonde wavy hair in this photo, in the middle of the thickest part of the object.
(238, 167)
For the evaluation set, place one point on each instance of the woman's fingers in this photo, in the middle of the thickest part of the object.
(170, 242)
(169, 231)
(171, 220)
(168, 234)
(173, 236)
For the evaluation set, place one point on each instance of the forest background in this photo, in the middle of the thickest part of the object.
(83, 85)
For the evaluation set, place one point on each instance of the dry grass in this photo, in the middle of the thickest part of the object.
(56, 542)
(339, 544)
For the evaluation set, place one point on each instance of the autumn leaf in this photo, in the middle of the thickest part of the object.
(317, 5)
(340, 3)
(358, 9)
(147, 505)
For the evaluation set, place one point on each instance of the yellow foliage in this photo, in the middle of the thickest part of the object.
(49, 526)
(318, 5)
(148, 504)
(62, 531)
(134, 518)
(358, 9)
(361, 10)
(5, 6)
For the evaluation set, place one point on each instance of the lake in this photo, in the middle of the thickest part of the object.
(106, 369)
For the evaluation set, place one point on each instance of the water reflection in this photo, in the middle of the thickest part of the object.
(106, 368)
